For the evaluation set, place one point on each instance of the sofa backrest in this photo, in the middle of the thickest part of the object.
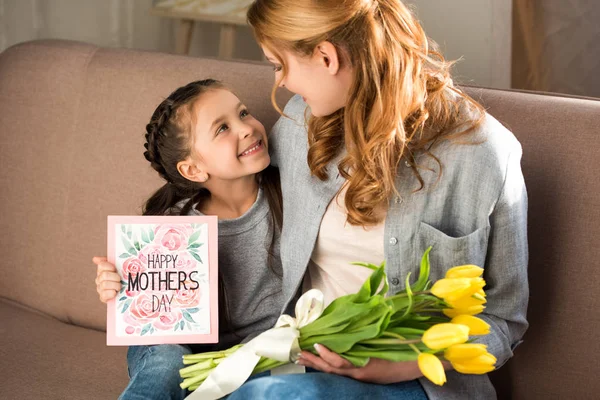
(561, 159)
(72, 125)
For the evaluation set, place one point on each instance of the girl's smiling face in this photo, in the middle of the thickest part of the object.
(228, 143)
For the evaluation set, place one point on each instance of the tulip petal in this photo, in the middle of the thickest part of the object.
(461, 352)
(441, 336)
(477, 326)
(464, 271)
(432, 368)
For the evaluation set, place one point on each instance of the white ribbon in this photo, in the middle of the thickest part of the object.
(279, 343)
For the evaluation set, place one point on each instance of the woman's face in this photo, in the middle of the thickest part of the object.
(322, 84)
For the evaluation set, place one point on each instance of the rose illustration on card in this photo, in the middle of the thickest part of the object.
(168, 270)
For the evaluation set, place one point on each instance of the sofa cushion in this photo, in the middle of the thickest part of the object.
(44, 358)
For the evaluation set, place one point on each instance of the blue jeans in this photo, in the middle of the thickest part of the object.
(316, 385)
(154, 375)
(154, 372)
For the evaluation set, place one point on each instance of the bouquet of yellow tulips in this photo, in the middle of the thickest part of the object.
(423, 322)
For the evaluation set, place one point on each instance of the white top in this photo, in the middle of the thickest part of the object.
(339, 244)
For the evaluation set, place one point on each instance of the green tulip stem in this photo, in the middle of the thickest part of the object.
(196, 368)
(415, 348)
(196, 379)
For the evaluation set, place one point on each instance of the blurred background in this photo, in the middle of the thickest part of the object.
(546, 45)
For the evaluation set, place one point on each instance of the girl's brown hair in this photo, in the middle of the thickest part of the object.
(403, 99)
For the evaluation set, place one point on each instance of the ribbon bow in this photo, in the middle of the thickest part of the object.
(279, 343)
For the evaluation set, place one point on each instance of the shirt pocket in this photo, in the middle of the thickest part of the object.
(448, 251)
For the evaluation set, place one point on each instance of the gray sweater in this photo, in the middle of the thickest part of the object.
(252, 286)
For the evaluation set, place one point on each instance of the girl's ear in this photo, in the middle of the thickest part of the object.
(191, 171)
(327, 55)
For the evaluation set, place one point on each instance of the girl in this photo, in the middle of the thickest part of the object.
(213, 155)
(380, 157)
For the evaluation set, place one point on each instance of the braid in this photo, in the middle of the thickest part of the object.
(155, 131)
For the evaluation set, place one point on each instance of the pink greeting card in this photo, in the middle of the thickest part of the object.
(168, 268)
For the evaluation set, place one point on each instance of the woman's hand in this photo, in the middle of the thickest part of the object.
(376, 371)
(108, 282)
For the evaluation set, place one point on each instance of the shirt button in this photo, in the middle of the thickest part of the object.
(395, 281)
(393, 240)
(407, 164)
(397, 200)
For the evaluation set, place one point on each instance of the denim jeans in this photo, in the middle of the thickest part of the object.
(154, 372)
(316, 385)
(154, 375)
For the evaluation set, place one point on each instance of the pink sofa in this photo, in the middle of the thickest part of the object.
(72, 120)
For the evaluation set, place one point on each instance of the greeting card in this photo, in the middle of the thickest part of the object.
(168, 269)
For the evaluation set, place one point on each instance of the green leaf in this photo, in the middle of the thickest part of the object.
(195, 245)
(188, 316)
(196, 256)
(182, 324)
(423, 280)
(192, 310)
(357, 361)
(194, 236)
(132, 251)
(123, 298)
(129, 233)
(123, 228)
(124, 255)
(145, 329)
(151, 234)
(145, 236)
(175, 327)
(137, 245)
(126, 306)
(397, 355)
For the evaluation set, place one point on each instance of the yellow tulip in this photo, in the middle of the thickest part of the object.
(477, 365)
(464, 271)
(461, 352)
(445, 335)
(456, 288)
(477, 326)
(432, 368)
(467, 301)
(455, 312)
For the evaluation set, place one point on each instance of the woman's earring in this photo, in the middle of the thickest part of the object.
(204, 177)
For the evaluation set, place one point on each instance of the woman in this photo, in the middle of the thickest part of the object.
(380, 157)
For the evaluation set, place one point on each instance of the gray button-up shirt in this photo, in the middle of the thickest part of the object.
(475, 214)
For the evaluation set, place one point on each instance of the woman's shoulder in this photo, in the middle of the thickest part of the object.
(294, 116)
(481, 157)
(289, 131)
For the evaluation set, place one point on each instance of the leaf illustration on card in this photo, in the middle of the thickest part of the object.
(145, 329)
(194, 237)
(187, 316)
(196, 256)
(126, 305)
(145, 236)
